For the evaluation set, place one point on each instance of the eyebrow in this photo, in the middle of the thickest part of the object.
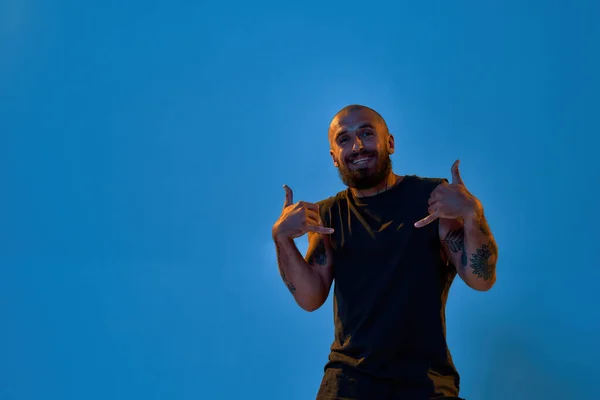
(362, 126)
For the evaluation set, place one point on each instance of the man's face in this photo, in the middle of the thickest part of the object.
(361, 148)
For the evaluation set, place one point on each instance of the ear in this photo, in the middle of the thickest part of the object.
(335, 163)
(390, 144)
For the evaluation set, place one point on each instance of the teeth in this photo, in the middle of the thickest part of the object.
(361, 160)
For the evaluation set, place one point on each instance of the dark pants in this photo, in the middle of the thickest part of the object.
(343, 385)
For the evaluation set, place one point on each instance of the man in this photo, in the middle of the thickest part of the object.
(393, 244)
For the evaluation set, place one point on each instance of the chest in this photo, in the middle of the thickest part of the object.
(381, 244)
(361, 229)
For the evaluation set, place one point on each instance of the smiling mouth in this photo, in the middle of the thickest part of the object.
(361, 161)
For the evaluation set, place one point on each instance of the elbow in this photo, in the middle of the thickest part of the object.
(312, 299)
(311, 308)
(311, 304)
(483, 285)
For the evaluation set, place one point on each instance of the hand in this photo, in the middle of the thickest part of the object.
(450, 201)
(298, 219)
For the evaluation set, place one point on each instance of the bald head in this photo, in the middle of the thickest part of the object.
(360, 146)
(355, 113)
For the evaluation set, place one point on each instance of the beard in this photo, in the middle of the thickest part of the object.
(366, 178)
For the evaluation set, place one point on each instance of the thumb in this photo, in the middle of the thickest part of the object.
(289, 196)
(456, 179)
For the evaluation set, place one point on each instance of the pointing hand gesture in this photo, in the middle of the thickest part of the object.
(298, 218)
(450, 201)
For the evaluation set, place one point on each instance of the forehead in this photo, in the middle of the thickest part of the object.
(352, 120)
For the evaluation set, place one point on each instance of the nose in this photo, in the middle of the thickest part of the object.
(357, 146)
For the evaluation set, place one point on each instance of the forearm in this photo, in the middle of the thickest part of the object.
(481, 252)
(299, 277)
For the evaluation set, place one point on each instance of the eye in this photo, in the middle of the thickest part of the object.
(367, 133)
(343, 139)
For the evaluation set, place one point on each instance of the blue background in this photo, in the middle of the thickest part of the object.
(143, 146)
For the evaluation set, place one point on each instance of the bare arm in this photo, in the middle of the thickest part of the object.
(463, 231)
(308, 279)
(320, 257)
(471, 248)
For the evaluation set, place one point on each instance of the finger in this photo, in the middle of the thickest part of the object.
(313, 221)
(456, 178)
(313, 216)
(427, 220)
(438, 191)
(289, 196)
(309, 206)
(434, 208)
(320, 229)
(434, 197)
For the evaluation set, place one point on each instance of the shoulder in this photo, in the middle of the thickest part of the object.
(330, 202)
(328, 206)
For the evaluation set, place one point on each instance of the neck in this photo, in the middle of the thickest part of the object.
(389, 182)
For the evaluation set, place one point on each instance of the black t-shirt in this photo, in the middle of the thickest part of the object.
(390, 289)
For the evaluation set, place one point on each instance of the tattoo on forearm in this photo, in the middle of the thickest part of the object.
(287, 282)
(319, 256)
(455, 242)
(480, 262)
